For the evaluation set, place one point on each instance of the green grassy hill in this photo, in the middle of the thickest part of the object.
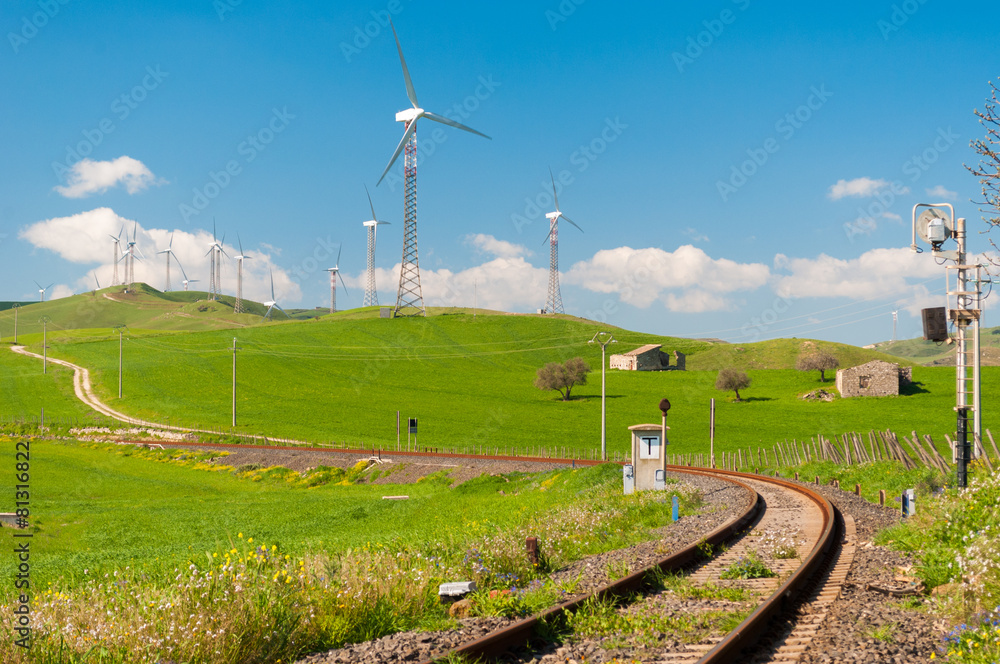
(930, 353)
(469, 380)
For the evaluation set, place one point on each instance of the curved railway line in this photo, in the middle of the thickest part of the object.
(781, 626)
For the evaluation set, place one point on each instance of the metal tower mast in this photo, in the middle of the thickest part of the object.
(371, 293)
(168, 273)
(554, 303)
(409, 299)
(895, 318)
(218, 273)
(333, 291)
(211, 275)
(115, 247)
(238, 307)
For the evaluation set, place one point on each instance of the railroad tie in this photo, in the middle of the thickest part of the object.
(819, 601)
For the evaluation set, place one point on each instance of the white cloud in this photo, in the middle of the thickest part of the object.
(95, 177)
(58, 292)
(858, 187)
(877, 273)
(500, 248)
(686, 279)
(85, 238)
(891, 215)
(940, 192)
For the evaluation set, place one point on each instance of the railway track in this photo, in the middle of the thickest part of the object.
(781, 626)
(779, 629)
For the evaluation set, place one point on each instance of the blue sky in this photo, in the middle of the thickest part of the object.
(741, 170)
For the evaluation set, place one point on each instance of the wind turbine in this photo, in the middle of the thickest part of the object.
(41, 291)
(238, 308)
(130, 255)
(186, 280)
(409, 298)
(117, 251)
(272, 303)
(215, 269)
(371, 294)
(169, 252)
(334, 273)
(554, 303)
(895, 317)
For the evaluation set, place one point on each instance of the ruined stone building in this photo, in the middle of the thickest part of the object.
(877, 378)
(648, 358)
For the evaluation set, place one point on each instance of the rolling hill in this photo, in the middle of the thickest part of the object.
(468, 379)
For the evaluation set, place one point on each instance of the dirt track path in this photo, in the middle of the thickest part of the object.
(85, 393)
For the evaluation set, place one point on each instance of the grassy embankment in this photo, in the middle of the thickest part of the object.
(145, 555)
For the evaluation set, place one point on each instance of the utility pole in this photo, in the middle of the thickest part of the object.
(119, 328)
(15, 307)
(604, 338)
(234, 381)
(44, 320)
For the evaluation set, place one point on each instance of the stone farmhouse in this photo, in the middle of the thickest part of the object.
(873, 379)
(648, 358)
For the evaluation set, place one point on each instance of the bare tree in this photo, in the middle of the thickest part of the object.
(988, 169)
(821, 361)
(733, 379)
(563, 377)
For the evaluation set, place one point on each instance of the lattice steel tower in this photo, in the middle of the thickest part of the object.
(553, 301)
(409, 298)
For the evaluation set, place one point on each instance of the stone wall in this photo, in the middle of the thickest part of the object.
(872, 379)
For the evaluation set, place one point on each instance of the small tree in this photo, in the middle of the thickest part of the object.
(821, 361)
(988, 168)
(563, 377)
(733, 379)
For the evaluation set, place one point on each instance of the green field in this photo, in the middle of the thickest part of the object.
(99, 507)
(468, 380)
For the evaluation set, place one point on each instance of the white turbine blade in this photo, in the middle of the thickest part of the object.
(49, 286)
(136, 247)
(268, 312)
(240, 243)
(116, 239)
(120, 231)
(370, 204)
(549, 236)
(98, 281)
(171, 243)
(340, 251)
(342, 283)
(555, 196)
(570, 221)
(412, 127)
(278, 306)
(38, 284)
(272, 285)
(410, 92)
(451, 123)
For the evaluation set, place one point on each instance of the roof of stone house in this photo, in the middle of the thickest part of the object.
(643, 349)
(872, 364)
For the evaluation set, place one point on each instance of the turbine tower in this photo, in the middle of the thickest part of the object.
(216, 252)
(117, 253)
(334, 273)
(130, 255)
(895, 317)
(409, 298)
(553, 302)
(41, 291)
(238, 308)
(371, 293)
(169, 252)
